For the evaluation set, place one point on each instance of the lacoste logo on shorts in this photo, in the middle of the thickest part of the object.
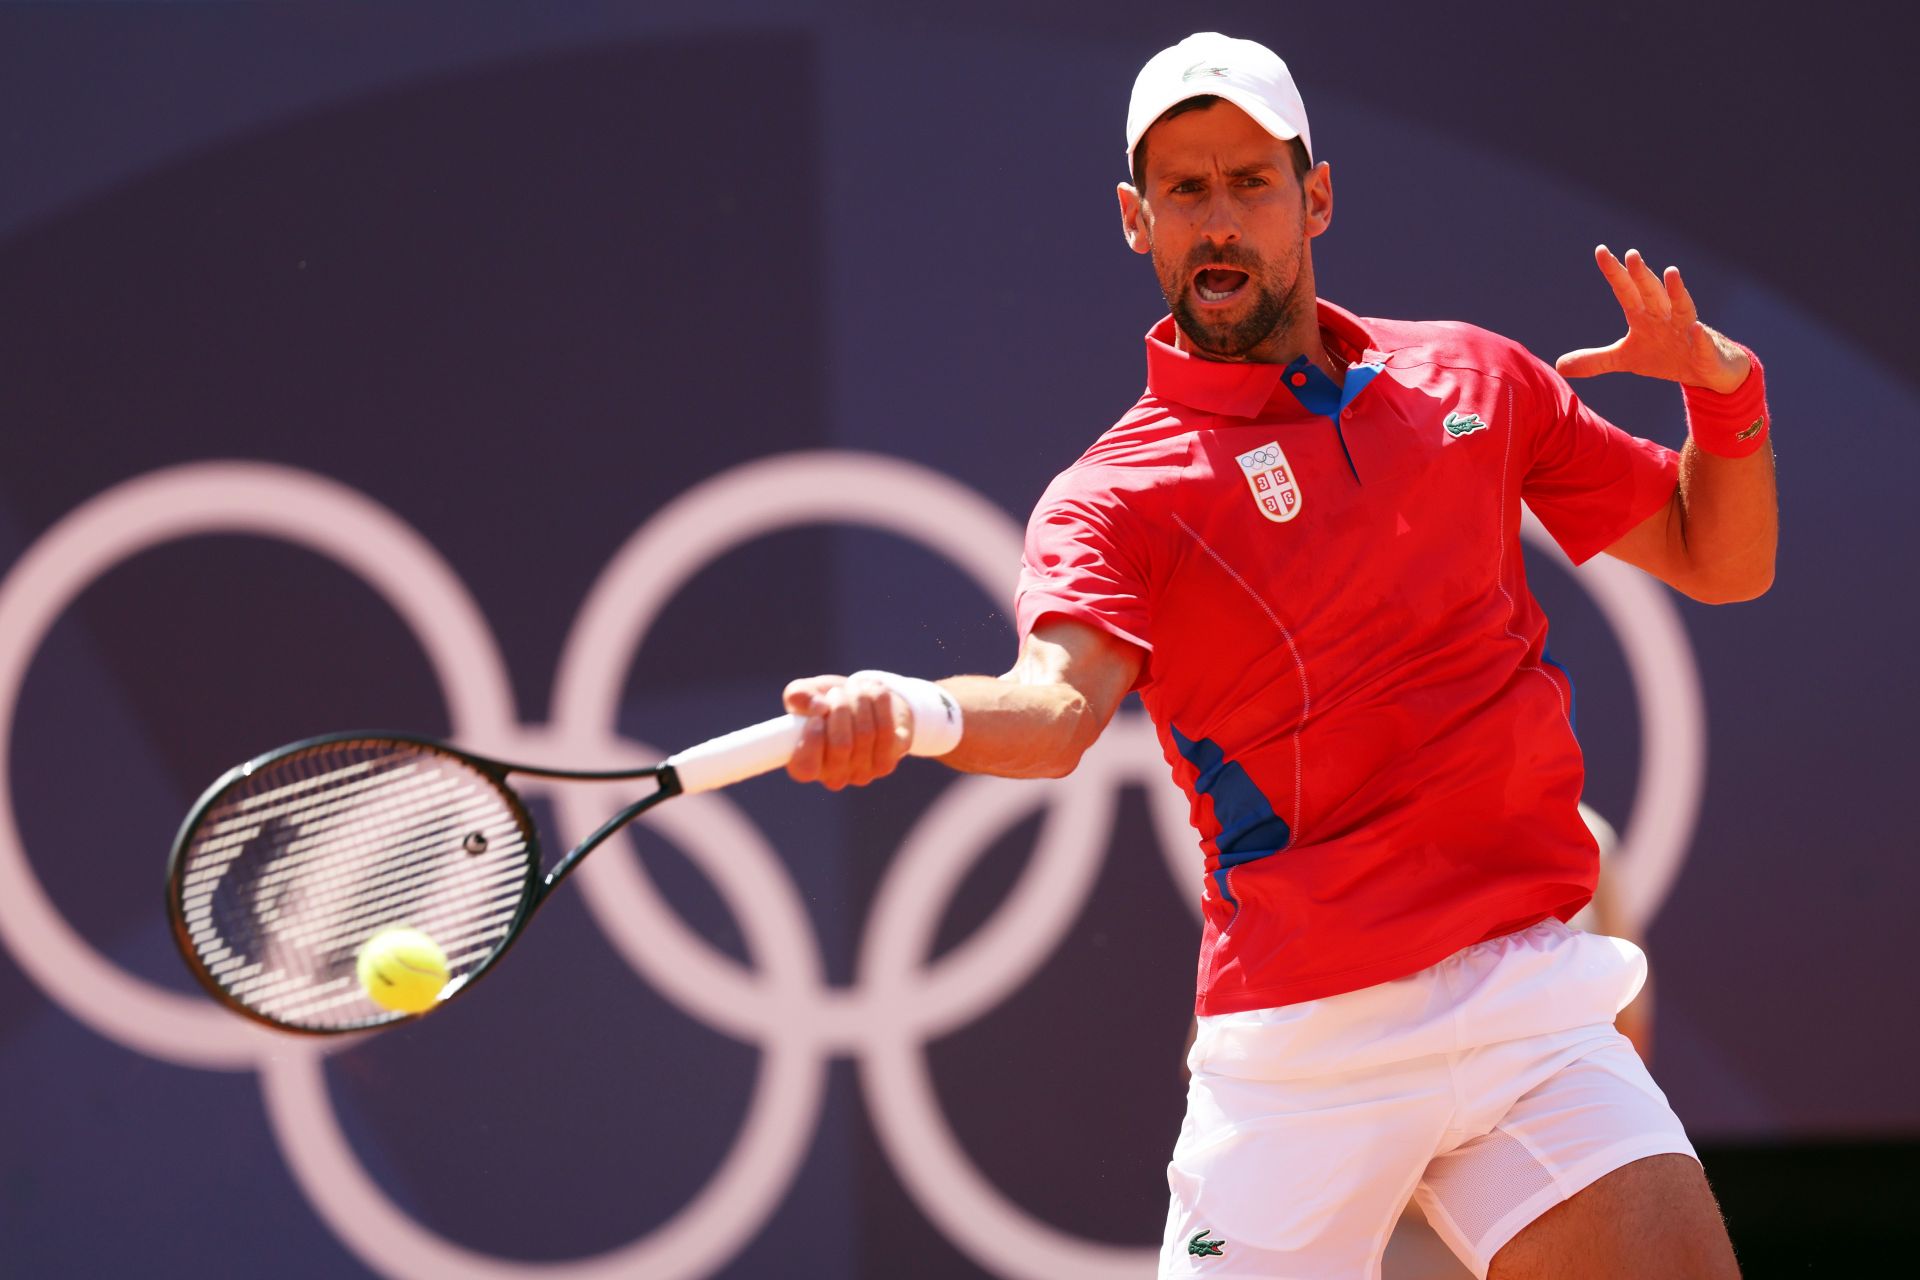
(1201, 1247)
(1463, 424)
(1276, 490)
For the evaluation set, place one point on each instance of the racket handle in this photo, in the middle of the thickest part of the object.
(737, 756)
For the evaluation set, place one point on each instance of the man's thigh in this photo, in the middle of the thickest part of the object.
(1652, 1219)
(1592, 1112)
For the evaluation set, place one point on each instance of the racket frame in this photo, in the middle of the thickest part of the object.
(532, 894)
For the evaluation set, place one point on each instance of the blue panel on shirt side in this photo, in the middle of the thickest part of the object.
(1249, 828)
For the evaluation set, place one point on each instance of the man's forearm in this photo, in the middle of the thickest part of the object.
(1726, 521)
(1018, 730)
(1033, 722)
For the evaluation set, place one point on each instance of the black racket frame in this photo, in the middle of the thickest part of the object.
(531, 895)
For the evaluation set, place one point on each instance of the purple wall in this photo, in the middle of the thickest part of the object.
(524, 276)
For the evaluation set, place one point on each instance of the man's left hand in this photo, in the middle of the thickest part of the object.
(1665, 338)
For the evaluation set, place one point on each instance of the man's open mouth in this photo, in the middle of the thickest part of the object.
(1217, 284)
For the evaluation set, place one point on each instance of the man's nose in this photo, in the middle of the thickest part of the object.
(1220, 225)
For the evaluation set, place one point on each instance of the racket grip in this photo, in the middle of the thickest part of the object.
(737, 756)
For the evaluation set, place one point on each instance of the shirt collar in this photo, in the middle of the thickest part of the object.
(1241, 390)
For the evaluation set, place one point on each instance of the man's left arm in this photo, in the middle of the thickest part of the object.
(1715, 539)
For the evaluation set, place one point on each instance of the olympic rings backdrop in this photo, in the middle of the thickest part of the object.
(563, 380)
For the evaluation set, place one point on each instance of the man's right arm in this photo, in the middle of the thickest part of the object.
(1033, 722)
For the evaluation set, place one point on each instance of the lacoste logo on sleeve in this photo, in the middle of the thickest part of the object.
(1276, 490)
(1463, 424)
(1201, 1247)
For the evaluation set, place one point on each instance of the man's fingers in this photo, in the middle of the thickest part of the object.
(839, 749)
(890, 738)
(860, 762)
(1618, 280)
(800, 696)
(882, 732)
(1653, 298)
(1684, 312)
(854, 734)
(804, 765)
(804, 698)
(1588, 361)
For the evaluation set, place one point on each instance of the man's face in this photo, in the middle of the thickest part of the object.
(1226, 222)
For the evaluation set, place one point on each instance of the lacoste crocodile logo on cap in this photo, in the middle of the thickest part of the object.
(1199, 69)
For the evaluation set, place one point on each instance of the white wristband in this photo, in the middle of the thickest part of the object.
(936, 716)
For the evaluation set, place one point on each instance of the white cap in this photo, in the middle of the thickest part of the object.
(1244, 72)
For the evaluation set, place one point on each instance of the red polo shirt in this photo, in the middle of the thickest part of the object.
(1347, 672)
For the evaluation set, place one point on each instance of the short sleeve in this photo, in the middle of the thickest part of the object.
(1082, 560)
(1590, 482)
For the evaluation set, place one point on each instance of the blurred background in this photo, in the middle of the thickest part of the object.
(482, 293)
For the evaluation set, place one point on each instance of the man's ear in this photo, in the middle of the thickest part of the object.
(1318, 189)
(1134, 222)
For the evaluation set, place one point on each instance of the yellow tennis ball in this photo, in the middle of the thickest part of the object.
(402, 970)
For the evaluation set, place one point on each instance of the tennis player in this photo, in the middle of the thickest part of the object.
(1302, 548)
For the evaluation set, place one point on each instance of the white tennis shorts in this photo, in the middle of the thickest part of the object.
(1491, 1086)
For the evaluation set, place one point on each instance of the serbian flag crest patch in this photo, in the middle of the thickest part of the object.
(1275, 488)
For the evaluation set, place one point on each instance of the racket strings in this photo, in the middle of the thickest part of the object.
(300, 862)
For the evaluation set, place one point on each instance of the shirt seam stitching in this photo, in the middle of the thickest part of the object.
(1306, 694)
(1500, 570)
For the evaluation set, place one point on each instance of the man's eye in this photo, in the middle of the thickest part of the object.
(1253, 182)
(1185, 188)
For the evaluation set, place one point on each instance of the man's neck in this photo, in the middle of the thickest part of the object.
(1301, 338)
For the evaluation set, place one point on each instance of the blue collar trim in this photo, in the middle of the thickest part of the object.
(1317, 394)
(1320, 394)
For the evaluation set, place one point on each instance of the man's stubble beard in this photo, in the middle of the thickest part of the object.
(1274, 310)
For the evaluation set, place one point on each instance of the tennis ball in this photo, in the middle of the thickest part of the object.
(402, 970)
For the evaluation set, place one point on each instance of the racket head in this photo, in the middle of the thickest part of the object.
(287, 865)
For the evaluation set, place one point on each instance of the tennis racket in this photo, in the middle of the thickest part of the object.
(292, 861)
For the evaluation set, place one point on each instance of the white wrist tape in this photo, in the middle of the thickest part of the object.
(936, 716)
